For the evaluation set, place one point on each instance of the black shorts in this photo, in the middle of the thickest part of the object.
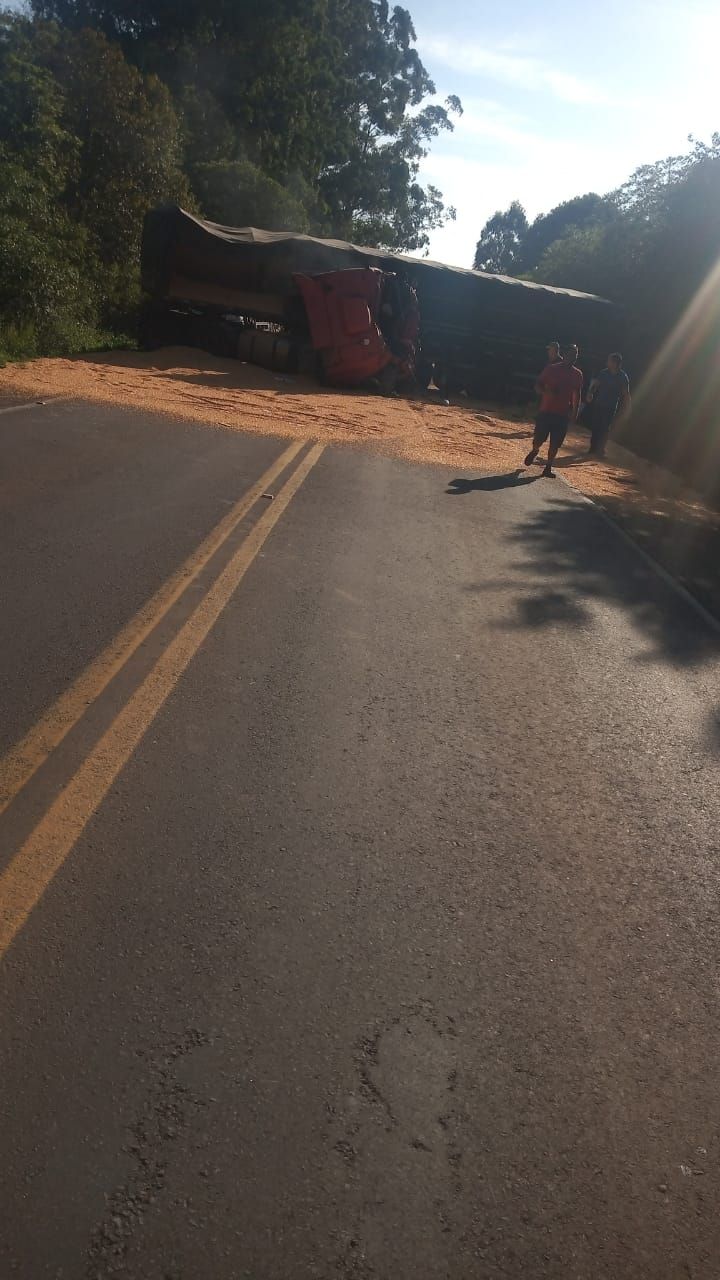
(554, 425)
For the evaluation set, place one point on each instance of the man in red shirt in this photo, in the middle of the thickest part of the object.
(560, 389)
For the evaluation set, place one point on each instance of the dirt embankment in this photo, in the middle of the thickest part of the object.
(669, 520)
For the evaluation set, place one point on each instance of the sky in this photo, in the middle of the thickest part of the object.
(560, 100)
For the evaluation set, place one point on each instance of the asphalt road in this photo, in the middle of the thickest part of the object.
(360, 918)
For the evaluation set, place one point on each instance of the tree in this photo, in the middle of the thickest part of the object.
(48, 299)
(500, 244)
(325, 96)
(374, 196)
(581, 212)
(580, 259)
(87, 145)
(648, 245)
(45, 301)
(648, 190)
(511, 246)
(129, 136)
(237, 193)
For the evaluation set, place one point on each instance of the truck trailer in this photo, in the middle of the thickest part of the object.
(276, 297)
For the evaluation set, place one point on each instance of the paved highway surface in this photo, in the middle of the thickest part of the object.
(359, 871)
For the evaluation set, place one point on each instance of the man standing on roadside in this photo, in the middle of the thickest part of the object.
(609, 394)
(560, 389)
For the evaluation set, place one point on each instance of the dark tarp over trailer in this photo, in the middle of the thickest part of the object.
(476, 326)
(237, 268)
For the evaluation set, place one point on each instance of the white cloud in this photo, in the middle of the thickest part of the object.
(518, 69)
(569, 88)
(483, 118)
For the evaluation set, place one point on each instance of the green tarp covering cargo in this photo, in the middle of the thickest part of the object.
(482, 333)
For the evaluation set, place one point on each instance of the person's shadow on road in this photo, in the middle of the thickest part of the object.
(489, 484)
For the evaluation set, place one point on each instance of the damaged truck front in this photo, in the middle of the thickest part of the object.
(349, 314)
(285, 302)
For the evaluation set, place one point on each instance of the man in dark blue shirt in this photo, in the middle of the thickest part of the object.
(609, 394)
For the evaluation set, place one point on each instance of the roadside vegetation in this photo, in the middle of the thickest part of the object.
(311, 115)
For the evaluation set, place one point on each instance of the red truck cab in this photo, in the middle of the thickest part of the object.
(356, 326)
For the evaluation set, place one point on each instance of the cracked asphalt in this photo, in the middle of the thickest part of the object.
(391, 951)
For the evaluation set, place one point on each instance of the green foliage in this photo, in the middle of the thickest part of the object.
(208, 136)
(500, 245)
(128, 135)
(649, 245)
(328, 98)
(45, 299)
(600, 258)
(583, 213)
(238, 193)
(87, 144)
(17, 341)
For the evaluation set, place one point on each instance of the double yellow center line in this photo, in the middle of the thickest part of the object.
(33, 867)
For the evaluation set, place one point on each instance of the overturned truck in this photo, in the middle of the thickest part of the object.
(292, 302)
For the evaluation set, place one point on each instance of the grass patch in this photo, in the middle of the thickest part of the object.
(22, 341)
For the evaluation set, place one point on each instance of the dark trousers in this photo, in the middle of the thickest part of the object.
(602, 421)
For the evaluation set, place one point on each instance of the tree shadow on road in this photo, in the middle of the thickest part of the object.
(569, 541)
(549, 608)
